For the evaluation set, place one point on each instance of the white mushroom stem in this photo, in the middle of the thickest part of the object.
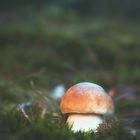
(84, 123)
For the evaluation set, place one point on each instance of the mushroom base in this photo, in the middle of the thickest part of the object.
(84, 122)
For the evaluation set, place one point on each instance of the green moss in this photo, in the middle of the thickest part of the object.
(14, 124)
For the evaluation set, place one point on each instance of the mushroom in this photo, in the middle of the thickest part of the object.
(85, 103)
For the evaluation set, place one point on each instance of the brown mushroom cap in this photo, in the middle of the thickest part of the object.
(86, 97)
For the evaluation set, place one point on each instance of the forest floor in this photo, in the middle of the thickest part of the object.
(36, 56)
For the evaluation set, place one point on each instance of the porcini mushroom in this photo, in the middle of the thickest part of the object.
(85, 103)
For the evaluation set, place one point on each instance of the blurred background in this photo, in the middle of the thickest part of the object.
(70, 41)
(49, 44)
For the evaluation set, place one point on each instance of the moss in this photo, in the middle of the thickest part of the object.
(48, 127)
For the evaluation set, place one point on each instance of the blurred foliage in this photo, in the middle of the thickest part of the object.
(102, 51)
(119, 8)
